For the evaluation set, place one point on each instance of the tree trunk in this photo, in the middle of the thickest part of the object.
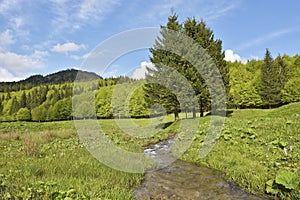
(176, 115)
(194, 113)
(186, 113)
(201, 108)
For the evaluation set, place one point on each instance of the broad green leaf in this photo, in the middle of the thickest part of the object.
(288, 179)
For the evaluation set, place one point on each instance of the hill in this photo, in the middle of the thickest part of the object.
(65, 76)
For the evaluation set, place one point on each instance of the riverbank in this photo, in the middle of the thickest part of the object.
(176, 179)
(258, 149)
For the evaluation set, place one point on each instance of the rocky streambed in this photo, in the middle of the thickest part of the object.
(183, 180)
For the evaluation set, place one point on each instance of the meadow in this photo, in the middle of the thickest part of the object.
(258, 149)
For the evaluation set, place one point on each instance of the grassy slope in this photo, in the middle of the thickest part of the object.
(251, 148)
(45, 160)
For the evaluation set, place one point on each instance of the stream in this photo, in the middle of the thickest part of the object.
(184, 180)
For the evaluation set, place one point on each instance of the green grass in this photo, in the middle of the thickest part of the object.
(254, 147)
(257, 148)
(47, 161)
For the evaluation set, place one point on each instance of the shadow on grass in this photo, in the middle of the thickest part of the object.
(164, 125)
(220, 113)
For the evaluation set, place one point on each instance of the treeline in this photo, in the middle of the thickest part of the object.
(65, 76)
(265, 83)
(54, 102)
(124, 97)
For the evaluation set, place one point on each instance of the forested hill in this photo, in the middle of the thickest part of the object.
(65, 76)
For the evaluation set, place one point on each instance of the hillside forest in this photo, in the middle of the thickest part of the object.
(266, 83)
(48, 102)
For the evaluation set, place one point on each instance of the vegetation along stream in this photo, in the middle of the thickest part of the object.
(184, 180)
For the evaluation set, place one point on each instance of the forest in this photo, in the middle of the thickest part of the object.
(267, 83)
(50, 102)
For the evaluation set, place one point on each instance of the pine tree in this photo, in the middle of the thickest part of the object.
(29, 101)
(157, 93)
(1, 108)
(15, 106)
(270, 89)
(23, 100)
(173, 37)
(282, 71)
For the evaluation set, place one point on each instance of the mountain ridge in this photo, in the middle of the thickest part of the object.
(60, 77)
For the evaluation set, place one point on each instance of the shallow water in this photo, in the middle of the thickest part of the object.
(183, 180)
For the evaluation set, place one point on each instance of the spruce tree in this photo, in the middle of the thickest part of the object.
(23, 100)
(270, 89)
(15, 106)
(203, 36)
(157, 93)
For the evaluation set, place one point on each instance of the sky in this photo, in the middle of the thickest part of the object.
(43, 37)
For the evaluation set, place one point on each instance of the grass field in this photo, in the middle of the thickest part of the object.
(258, 149)
(47, 161)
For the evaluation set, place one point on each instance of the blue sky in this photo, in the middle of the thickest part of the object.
(42, 37)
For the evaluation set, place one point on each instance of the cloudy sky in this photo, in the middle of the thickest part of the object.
(42, 37)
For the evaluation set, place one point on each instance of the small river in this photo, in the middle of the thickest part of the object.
(182, 180)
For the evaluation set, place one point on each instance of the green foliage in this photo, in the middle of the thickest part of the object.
(257, 149)
(45, 160)
(103, 102)
(284, 183)
(61, 77)
(23, 115)
(287, 179)
(62, 110)
(137, 104)
(170, 51)
(83, 106)
(273, 80)
(243, 92)
(39, 113)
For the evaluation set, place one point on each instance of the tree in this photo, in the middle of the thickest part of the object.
(23, 114)
(162, 55)
(15, 106)
(157, 93)
(103, 102)
(243, 93)
(204, 36)
(39, 113)
(62, 110)
(138, 106)
(273, 79)
(82, 106)
(291, 91)
(23, 100)
(1, 108)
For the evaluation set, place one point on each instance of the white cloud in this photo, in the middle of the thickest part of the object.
(156, 13)
(69, 16)
(231, 56)
(6, 76)
(111, 73)
(15, 66)
(68, 47)
(8, 5)
(39, 55)
(6, 39)
(95, 9)
(76, 68)
(140, 72)
(266, 38)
